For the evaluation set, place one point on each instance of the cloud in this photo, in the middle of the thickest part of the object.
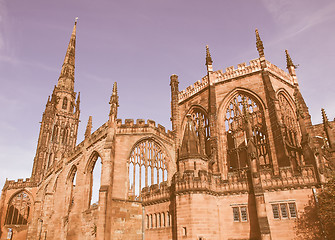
(3, 17)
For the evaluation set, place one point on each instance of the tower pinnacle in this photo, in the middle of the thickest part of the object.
(66, 78)
(209, 61)
(114, 103)
(259, 44)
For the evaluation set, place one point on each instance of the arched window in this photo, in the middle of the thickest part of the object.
(236, 132)
(147, 166)
(71, 181)
(201, 124)
(291, 131)
(50, 160)
(55, 133)
(163, 219)
(95, 179)
(64, 103)
(18, 209)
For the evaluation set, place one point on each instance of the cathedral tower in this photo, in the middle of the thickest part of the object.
(59, 126)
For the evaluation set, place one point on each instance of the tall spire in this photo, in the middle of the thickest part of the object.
(66, 78)
(209, 61)
(114, 103)
(259, 44)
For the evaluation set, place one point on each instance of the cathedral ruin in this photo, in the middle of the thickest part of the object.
(241, 162)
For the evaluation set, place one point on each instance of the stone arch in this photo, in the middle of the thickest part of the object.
(201, 125)
(91, 161)
(148, 164)
(231, 124)
(19, 208)
(89, 172)
(292, 135)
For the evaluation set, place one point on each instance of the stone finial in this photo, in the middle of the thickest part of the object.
(259, 44)
(88, 127)
(289, 62)
(114, 102)
(324, 116)
(209, 60)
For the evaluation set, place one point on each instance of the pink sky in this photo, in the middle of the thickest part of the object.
(139, 44)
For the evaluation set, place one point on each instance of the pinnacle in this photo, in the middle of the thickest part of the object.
(289, 61)
(324, 115)
(259, 44)
(209, 60)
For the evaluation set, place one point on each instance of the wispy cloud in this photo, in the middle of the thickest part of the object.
(296, 19)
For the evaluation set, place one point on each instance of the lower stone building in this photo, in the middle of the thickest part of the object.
(241, 162)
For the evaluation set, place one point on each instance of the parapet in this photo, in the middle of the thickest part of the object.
(20, 183)
(140, 125)
(231, 73)
(156, 193)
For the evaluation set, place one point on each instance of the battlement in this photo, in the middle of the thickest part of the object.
(141, 126)
(279, 72)
(20, 183)
(156, 193)
(231, 73)
(287, 179)
(206, 182)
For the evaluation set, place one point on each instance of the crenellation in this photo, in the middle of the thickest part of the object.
(20, 183)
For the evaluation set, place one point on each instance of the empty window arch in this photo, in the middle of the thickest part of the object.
(147, 166)
(201, 125)
(236, 132)
(18, 209)
(94, 171)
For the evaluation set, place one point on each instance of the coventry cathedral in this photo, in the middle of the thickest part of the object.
(241, 162)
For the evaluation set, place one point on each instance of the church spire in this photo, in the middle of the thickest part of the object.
(66, 78)
(259, 44)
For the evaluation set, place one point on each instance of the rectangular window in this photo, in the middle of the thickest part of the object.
(244, 215)
(293, 213)
(240, 214)
(283, 209)
(275, 211)
(236, 214)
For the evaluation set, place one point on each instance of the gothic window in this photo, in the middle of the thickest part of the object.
(72, 184)
(18, 209)
(236, 132)
(291, 131)
(95, 178)
(147, 166)
(55, 134)
(202, 129)
(64, 103)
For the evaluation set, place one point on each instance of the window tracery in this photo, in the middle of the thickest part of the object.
(236, 132)
(147, 166)
(291, 131)
(18, 209)
(201, 125)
